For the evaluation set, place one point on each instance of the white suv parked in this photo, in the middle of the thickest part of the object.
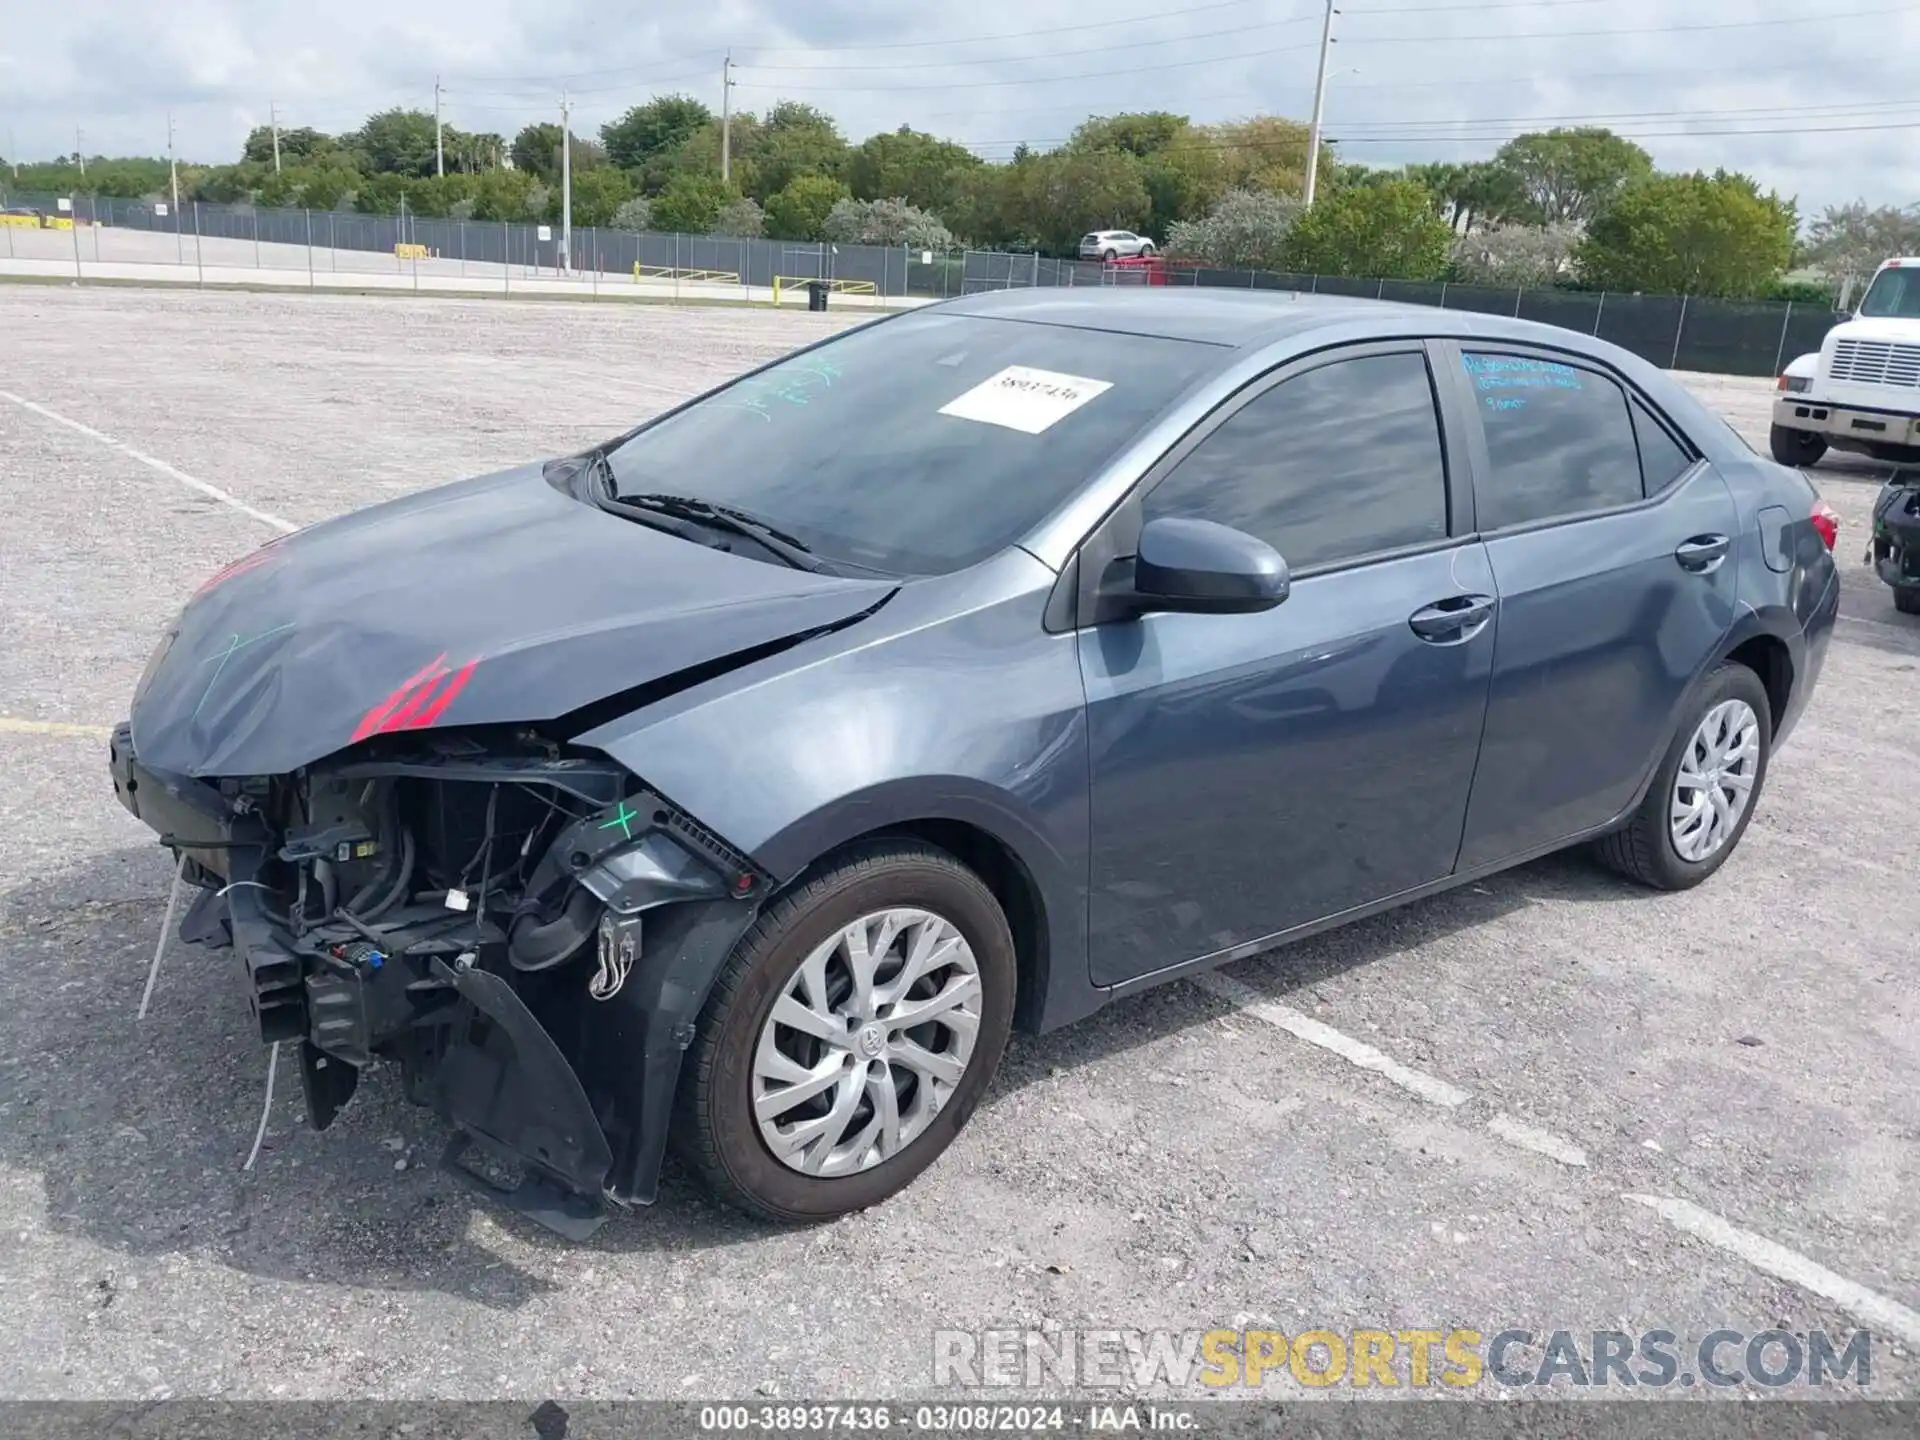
(1113, 245)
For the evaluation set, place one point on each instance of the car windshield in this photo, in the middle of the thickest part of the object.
(1894, 295)
(919, 445)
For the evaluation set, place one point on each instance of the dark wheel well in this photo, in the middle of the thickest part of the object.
(1767, 657)
(1004, 875)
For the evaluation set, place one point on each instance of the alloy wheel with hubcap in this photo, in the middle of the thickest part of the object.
(1715, 780)
(850, 1034)
(1701, 798)
(866, 1043)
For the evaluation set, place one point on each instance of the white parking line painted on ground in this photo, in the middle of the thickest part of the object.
(1355, 1052)
(1888, 1317)
(1540, 1142)
(9, 725)
(212, 492)
(1908, 630)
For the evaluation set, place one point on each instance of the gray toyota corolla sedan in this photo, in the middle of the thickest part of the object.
(745, 779)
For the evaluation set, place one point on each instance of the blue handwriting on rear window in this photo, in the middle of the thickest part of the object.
(1512, 372)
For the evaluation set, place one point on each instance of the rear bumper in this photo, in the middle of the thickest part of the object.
(1848, 423)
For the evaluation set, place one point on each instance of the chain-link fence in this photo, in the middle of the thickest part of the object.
(1672, 331)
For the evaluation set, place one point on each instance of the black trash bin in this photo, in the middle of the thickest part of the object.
(817, 294)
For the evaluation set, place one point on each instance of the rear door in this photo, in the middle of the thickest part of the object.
(1255, 773)
(1609, 540)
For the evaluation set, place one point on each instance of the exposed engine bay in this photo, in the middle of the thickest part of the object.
(474, 909)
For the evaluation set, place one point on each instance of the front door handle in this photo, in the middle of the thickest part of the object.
(1457, 618)
(1703, 553)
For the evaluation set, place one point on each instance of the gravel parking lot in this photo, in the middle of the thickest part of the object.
(1545, 1102)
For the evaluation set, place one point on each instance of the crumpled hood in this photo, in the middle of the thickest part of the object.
(497, 600)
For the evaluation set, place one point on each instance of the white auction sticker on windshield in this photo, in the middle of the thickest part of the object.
(1024, 399)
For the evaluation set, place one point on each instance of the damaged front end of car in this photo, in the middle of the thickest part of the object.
(523, 928)
(434, 870)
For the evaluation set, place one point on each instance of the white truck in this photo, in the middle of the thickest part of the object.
(1861, 391)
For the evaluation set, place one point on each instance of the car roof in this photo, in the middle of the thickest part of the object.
(1253, 319)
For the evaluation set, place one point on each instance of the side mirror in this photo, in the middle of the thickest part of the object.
(1204, 568)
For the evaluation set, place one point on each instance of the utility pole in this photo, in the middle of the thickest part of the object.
(439, 150)
(173, 172)
(566, 185)
(273, 120)
(1319, 103)
(80, 151)
(726, 117)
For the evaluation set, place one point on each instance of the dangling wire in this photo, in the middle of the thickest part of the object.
(266, 1109)
(166, 929)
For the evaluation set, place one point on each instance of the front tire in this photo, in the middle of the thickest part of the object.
(1704, 793)
(849, 1036)
(1796, 447)
(1146, 250)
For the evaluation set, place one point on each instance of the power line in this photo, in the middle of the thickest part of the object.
(1226, 146)
(1846, 109)
(1160, 40)
(1160, 15)
(1033, 79)
(1106, 24)
(1486, 82)
(554, 81)
(651, 83)
(1643, 134)
(1821, 19)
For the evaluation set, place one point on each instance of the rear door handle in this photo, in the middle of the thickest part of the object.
(1458, 617)
(1703, 553)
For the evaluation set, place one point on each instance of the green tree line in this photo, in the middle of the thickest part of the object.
(1565, 206)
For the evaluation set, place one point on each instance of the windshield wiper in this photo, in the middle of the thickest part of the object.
(720, 517)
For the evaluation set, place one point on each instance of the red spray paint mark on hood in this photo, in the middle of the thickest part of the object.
(418, 701)
(251, 561)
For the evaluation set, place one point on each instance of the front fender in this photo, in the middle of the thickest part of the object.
(951, 704)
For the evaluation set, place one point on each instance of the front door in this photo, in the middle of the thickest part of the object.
(1254, 773)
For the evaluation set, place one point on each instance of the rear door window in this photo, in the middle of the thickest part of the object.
(1560, 440)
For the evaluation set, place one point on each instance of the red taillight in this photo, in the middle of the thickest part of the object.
(1827, 521)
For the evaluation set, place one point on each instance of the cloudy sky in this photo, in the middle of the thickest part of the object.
(1806, 94)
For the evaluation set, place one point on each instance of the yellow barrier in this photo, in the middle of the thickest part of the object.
(20, 222)
(61, 222)
(674, 272)
(410, 252)
(839, 287)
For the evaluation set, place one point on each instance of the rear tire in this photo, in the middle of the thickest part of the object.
(743, 1057)
(1907, 599)
(1109, 256)
(1646, 848)
(1796, 447)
